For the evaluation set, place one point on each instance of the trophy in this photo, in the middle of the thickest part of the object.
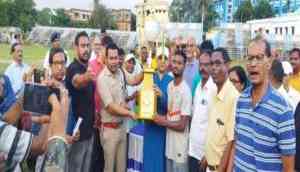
(147, 98)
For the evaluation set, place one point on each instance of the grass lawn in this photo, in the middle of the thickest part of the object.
(33, 54)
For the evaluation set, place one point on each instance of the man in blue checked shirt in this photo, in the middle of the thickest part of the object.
(265, 129)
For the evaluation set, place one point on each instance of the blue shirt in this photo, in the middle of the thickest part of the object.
(162, 84)
(15, 73)
(190, 72)
(263, 133)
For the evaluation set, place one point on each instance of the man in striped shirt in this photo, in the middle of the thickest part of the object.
(264, 131)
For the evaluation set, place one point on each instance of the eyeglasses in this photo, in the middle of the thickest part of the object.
(258, 59)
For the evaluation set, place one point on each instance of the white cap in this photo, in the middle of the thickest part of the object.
(129, 57)
(287, 67)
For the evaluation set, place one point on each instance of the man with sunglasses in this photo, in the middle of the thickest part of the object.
(264, 130)
(220, 130)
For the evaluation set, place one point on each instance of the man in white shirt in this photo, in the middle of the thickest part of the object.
(204, 93)
(177, 119)
(16, 70)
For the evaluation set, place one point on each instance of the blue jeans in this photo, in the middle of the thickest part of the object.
(173, 166)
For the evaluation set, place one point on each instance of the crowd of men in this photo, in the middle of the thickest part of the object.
(210, 116)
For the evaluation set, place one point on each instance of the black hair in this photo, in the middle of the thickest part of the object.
(106, 40)
(206, 51)
(111, 46)
(54, 51)
(206, 45)
(121, 52)
(54, 36)
(182, 54)
(277, 70)
(79, 35)
(13, 47)
(240, 72)
(224, 53)
(297, 50)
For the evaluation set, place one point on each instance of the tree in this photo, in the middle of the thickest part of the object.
(60, 18)
(245, 12)
(102, 17)
(263, 10)
(194, 11)
(210, 18)
(21, 13)
(44, 17)
(4, 7)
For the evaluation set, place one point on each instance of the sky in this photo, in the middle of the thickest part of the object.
(86, 4)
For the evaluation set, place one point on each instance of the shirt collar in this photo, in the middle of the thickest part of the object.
(228, 86)
(15, 64)
(266, 96)
(107, 72)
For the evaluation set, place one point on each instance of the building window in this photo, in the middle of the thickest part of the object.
(76, 14)
(276, 30)
(286, 30)
(293, 30)
(267, 31)
(280, 31)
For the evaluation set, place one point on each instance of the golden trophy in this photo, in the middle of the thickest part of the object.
(147, 98)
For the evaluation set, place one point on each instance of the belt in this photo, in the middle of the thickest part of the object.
(113, 125)
(213, 167)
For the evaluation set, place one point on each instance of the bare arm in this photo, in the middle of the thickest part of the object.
(288, 163)
(116, 109)
(177, 126)
(81, 80)
(136, 80)
(226, 157)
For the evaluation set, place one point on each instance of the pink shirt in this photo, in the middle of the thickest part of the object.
(96, 67)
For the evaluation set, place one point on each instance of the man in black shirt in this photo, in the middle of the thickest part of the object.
(79, 81)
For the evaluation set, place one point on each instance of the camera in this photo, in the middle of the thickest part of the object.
(36, 98)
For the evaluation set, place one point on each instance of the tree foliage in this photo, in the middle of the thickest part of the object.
(102, 18)
(245, 12)
(263, 10)
(192, 11)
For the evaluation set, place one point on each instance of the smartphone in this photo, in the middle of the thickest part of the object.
(36, 98)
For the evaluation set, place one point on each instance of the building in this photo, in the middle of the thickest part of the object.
(150, 11)
(282, 31)
(227, 8)
(79, 15)
(123, 19)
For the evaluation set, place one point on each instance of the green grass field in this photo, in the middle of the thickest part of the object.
(33, 54)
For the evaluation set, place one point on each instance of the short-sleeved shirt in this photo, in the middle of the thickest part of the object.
(202, 102)
(263, 132)
(112, 89)
(83, 104)
(15, 73)
(221, 122)
(179, 104)
(294, 81)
